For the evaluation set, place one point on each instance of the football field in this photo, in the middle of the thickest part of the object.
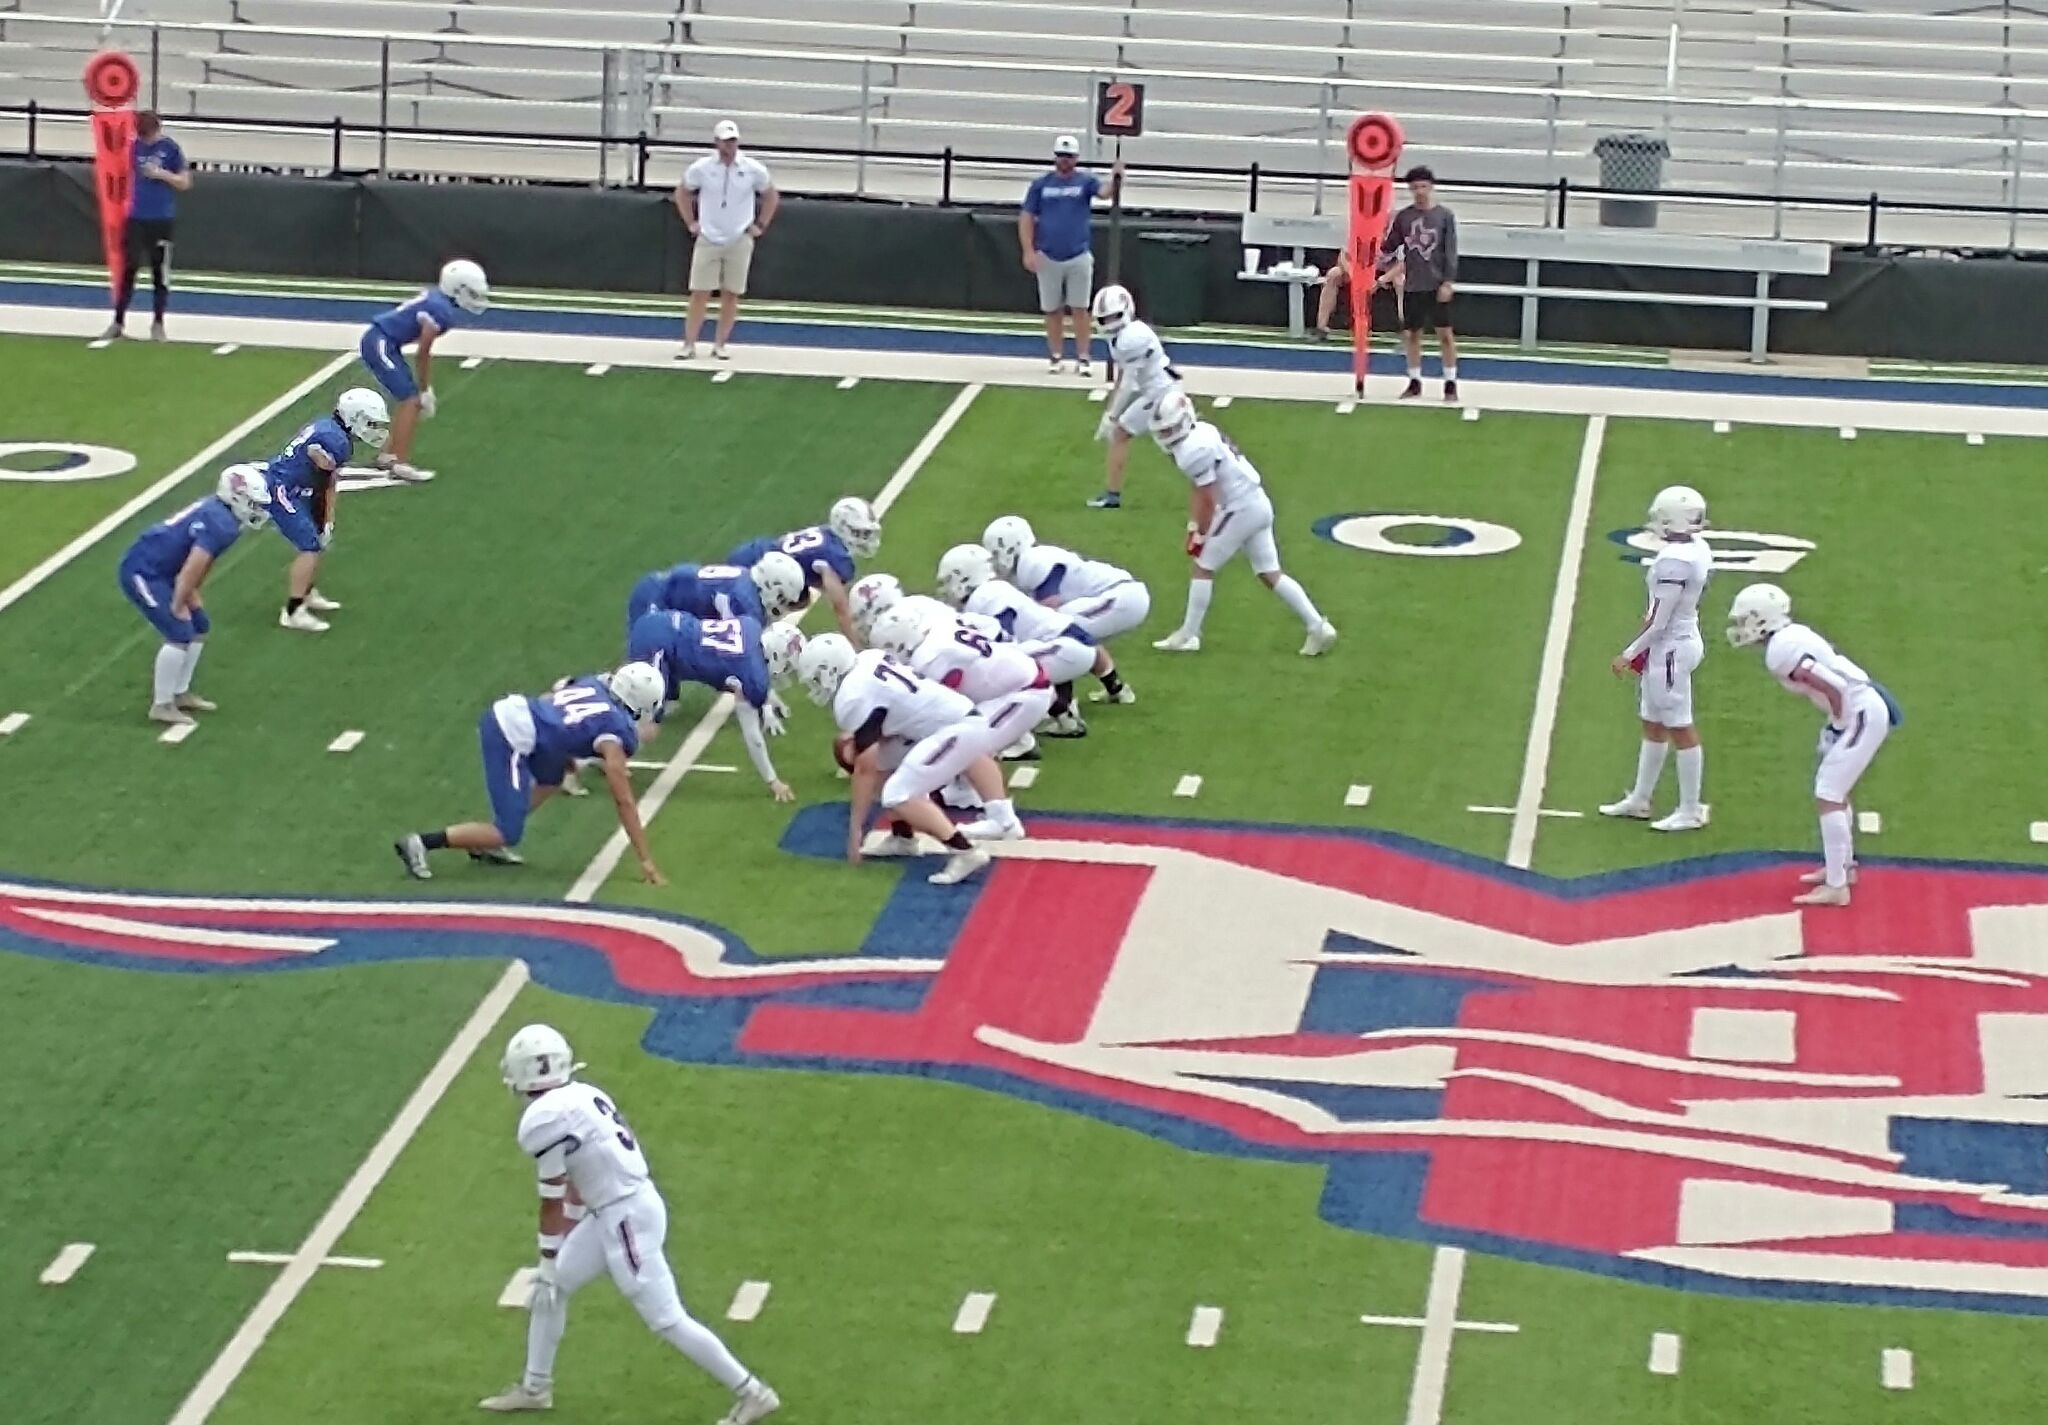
(1324, 1056)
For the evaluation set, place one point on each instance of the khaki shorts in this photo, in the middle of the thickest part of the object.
(716, 267)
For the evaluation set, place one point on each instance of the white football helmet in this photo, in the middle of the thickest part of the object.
(899, 631)
(1173, 418)
(963, 569)
(780, 580)
(464, 281)
(1677, 510)
(243, 490)
(1112, 307)
(823, 666)
(537, 1059)
(853, 520)
(640, 689)
(1006, 539)
(781, 644)
(871, 596)
(1758, 612)
(363, 415)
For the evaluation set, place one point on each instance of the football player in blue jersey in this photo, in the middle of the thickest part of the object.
(463, 291)
(301, 480)
(529, 744)
(161, 574)
(771, 588)
(725, 655)
(825, 552)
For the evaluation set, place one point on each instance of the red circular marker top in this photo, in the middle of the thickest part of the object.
(112, 80)
(1375, 141)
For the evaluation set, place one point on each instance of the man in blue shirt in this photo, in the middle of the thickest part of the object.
(461, 292)
(530, 744)
(1055, 231)
(161, 574)
(301, 481)
(724, 655)
(160, 176)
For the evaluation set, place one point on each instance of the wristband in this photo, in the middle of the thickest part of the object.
(550, 1243)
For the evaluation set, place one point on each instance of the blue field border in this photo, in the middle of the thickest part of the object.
(569, 320)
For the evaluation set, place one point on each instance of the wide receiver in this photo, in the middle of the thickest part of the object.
(461, 292)
(1145, 373)
(1228, 513)
(1860, 716)
(1663, 654)
(599, 1212)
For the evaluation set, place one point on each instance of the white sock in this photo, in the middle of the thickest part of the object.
(1450, 371)
(545, 1322)
(1836, 845)
(1199, 593)
(695, 1340)
(170, 662)
(1296, 598)
(1649, 767)
(1692, 765)
(192, 652)
(1415, 371)
(1002, 810)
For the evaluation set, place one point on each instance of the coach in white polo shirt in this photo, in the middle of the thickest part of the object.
(726, 200)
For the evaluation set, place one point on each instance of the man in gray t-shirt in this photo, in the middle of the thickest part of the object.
(1419, 258)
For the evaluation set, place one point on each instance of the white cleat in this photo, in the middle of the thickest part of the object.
(319, 603)
(959, 866)
(520, 1398)
(498, 856)
(1125, 694)
(411, 474)
(572, 786)
(1820, 877)
(753, 1401)
(1024, 749)
(1067, 724)
(688, 351)
(302, 621)
(1321, 639)
(1682, 820)
(191, 702)
(989, 829)
(169, 714)
(1180, 641)
(1628, 807)
(883, 845)
(412, 852)
(1824, 895)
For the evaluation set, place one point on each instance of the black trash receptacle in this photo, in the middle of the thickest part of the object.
(1175, 271)
(1633, 163)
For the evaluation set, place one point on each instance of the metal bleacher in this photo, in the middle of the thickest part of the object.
(1798, 100)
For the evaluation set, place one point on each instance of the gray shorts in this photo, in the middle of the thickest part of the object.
(1066, 284)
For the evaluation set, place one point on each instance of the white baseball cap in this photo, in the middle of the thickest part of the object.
(1064, 145)
(725, 129)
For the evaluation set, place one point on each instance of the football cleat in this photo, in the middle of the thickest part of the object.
(400, 470)
(1024, 749)
(169, 714)
(498, 856)
(751, 1402)
(113, 332)
(1824, 895)
(989, 829)
(192, 702)
(885, 845)
(302, 620)
(1320, 639)
(1107, 500)
(519, 1398)
(1628, 807)
(1125, 694)
(157, 332)
(1180, 641)
(1684, 819)
(319, 603)
(412, 852)
(1820, 878)
(959, 866)
(1067, 724)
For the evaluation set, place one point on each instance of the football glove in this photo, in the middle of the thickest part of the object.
(1196, 539)
(326, 535)
(427, 403)
(775, 716)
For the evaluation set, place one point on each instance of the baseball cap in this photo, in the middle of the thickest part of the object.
(725, 129)
(1064, 145)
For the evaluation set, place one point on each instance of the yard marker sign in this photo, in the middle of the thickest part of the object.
(1375, 149)
(111, 82)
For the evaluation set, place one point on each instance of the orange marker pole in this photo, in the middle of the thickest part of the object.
(111, 82)
(1374, 147)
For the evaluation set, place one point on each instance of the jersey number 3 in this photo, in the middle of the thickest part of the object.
(604, 1106)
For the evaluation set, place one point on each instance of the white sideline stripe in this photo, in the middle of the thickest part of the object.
(14, 722)
(1357, 795)
(597, 368)
(1190, 785)
(1550, 676)
(234, 1357)
(284, 1259)
(721, 377)
(21, 588)
(470, 363)
(747, 1301)
(1870, 823)
(847, 383)
(1023, 776)
(1722, 427)
(1471, 413)
(1439, 1325)
(1664, 1351)
(64, 1266)
(347, 742)
(973, 1313)
(176, 735)
(1221, 403)
(518, 1291)
(227, 348)
(2038, 831)
(1896, 1368)
(1205, 1326)
(1345, 408)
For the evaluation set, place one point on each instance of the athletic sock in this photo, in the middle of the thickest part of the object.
(292, 606)
(170, 661)
(1000, 810)
(958, 842)
(185, 669)
(1062, 698)
(1296, 598)
(903, 829)
(1415, 372)
(434, 840)
(1692, 765)
(1112, 682)
(1200, 591)
(1451, 371)
(1836, 845)
(1649, 767)
(695, 1340)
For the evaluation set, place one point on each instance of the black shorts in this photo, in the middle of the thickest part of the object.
(1421, 311)
(145, 235)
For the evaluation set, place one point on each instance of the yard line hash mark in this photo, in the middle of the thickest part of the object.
(1895, 1368)
(64, 1266)
(1357, 794)
(721, 378)
(1205, 1326)
(226, 348)
(1023, 776)
(1869, 823)
(847, 383)
(1221, 403)
(14, 722)
(347, 742)
(284, 1259)
(519, 1290)
(1345, 408)
(973, 1313)
(1664, 1352)
(175, 735)
(1190, 785)
(1471, 413)
(597, 368)
(747, 1301)
(470, 363)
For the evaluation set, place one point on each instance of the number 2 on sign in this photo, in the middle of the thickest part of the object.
(1120, 102)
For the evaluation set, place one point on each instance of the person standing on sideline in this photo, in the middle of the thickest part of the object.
(160, 176)
(1422, 244)
(1055, 231)
(726, 200)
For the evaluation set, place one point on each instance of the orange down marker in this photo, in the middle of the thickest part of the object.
(1375, 149)
(111, 82)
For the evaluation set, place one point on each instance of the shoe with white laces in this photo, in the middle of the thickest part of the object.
(959, 866)
(751, 1402)
(1124, 694)
(301, 619)
(989, 829)
(1684, 819)
(520, 1398)
(1824, 895)
(319, 603)
(400, 470)
(191, 702)
(498, 856)
(1320, 639)
(170, 714)
(412, 852)
(885, 845)
(1067, 724)
(1024, 749)
(1627, 807)
(1180, 641)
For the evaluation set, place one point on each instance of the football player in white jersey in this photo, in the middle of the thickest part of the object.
(1663, 654)
(972, 655)
(1228, 512)
(967, 578)
(599, 1212)
(1144, 374)
(1100, 599)
(1860, 716)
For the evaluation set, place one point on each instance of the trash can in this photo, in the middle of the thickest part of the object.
(1176, 269)
(1633, 163)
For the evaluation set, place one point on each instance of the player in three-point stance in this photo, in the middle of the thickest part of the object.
(1101, 599)
(1228, 512)
(161, 574)
(967, 578)
(461, 292)
(303, 496)
(727, 655)
(599, 1213)
(1144, 373)
(824, 552)
(1860, 716)
(530, 744)
(771, 588)
(1663, 655)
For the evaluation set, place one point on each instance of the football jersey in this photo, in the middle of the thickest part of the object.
(1142, 363)
(1047, 571)
(964, 658)
(567, 724)
(713, 591)
(293, 469)
(1020, 616)
(1794, 646)
(913, 708)
(1679, 570)
(1210, 460)
(575, 1132)
(815, 548)
(718, 653)
(929, 612)
(160, 551)
(403, 323)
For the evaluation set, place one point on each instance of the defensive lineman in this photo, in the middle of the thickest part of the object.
(1860, 716)
(303, 497)
(772, 588)
(825, 553)
(726, 655)
(1101, 599)
(462, 291)
(1228, 512)
(1663, 655)
(1144, 374)
(599, 1212)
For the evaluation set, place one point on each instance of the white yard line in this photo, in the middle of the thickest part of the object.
(1439, 1326)
(234, 1358)
(21, 588)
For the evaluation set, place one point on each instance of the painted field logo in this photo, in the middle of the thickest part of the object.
(1662, 1074)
